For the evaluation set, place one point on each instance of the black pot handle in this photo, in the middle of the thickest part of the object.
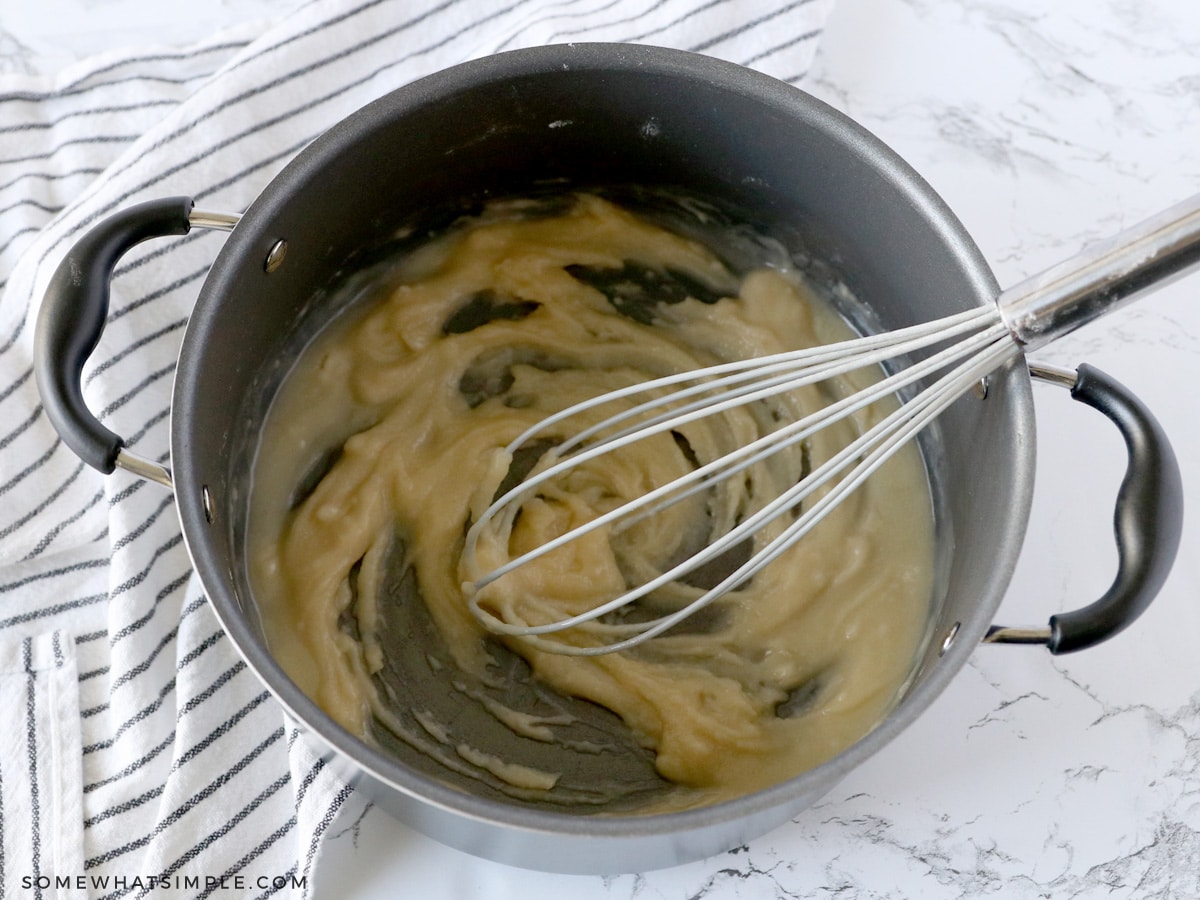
(1147, 523)
(72, 317)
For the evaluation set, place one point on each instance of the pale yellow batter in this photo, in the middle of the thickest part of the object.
(425, 403)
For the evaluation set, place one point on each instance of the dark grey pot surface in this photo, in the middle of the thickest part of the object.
(627, 115)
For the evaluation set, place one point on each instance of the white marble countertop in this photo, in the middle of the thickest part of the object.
(1044, 126)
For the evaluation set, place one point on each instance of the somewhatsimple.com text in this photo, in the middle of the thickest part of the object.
(207, 883)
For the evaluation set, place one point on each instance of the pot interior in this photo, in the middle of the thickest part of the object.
(640, 123)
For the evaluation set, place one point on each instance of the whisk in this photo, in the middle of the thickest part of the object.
(961, 350)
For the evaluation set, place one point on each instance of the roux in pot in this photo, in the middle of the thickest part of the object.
(390, 430)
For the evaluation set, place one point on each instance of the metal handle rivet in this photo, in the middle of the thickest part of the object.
(981, 388)
(948, 640)
(275, 256)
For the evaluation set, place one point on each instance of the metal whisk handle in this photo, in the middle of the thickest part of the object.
(1104, 276)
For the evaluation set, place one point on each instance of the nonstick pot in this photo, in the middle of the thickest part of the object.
(602, 117)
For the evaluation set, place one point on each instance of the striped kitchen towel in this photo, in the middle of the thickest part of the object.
(140, 757)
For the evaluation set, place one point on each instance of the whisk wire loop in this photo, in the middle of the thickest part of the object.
(983, 352)
(883, 438)
(800, 368)
(720, 468)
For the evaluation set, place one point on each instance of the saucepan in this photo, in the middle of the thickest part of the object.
(845, 207)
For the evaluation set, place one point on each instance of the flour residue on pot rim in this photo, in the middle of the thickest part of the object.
(387, 438)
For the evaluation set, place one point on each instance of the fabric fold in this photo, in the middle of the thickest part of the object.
(41, 822)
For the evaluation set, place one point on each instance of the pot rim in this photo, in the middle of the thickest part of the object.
(244, 244)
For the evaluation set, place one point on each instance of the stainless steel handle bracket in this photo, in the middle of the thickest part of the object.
(1003, 634)
(217, 221)
(144, 468)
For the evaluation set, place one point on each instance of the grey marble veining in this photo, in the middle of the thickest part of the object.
(15, 57)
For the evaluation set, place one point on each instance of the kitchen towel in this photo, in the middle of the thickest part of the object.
(140, 757)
